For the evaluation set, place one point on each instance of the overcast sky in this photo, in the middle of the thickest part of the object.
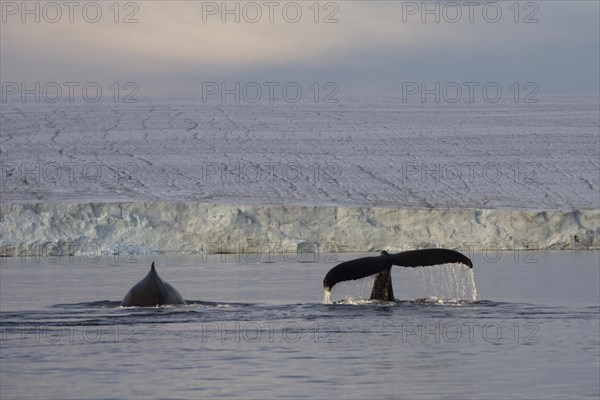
(373, 47)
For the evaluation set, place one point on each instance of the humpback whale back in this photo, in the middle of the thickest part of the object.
(382, 265)
(151, 292)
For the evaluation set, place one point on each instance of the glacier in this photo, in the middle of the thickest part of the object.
(366, 152)
(177, 175)
(192, 228)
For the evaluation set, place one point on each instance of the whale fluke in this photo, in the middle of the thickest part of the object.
(151, 292)
(382, 266)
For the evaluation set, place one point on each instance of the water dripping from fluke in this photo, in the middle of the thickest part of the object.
(473, 286)
(443, 284)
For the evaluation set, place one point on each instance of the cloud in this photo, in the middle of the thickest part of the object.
(175, 39)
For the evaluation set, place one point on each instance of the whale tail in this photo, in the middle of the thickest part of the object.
(381, 266)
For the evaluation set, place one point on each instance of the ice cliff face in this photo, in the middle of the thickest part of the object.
(188, 228)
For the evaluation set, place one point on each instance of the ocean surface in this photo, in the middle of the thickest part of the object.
(256, 327)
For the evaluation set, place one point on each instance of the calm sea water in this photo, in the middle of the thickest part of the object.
(260, 330)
